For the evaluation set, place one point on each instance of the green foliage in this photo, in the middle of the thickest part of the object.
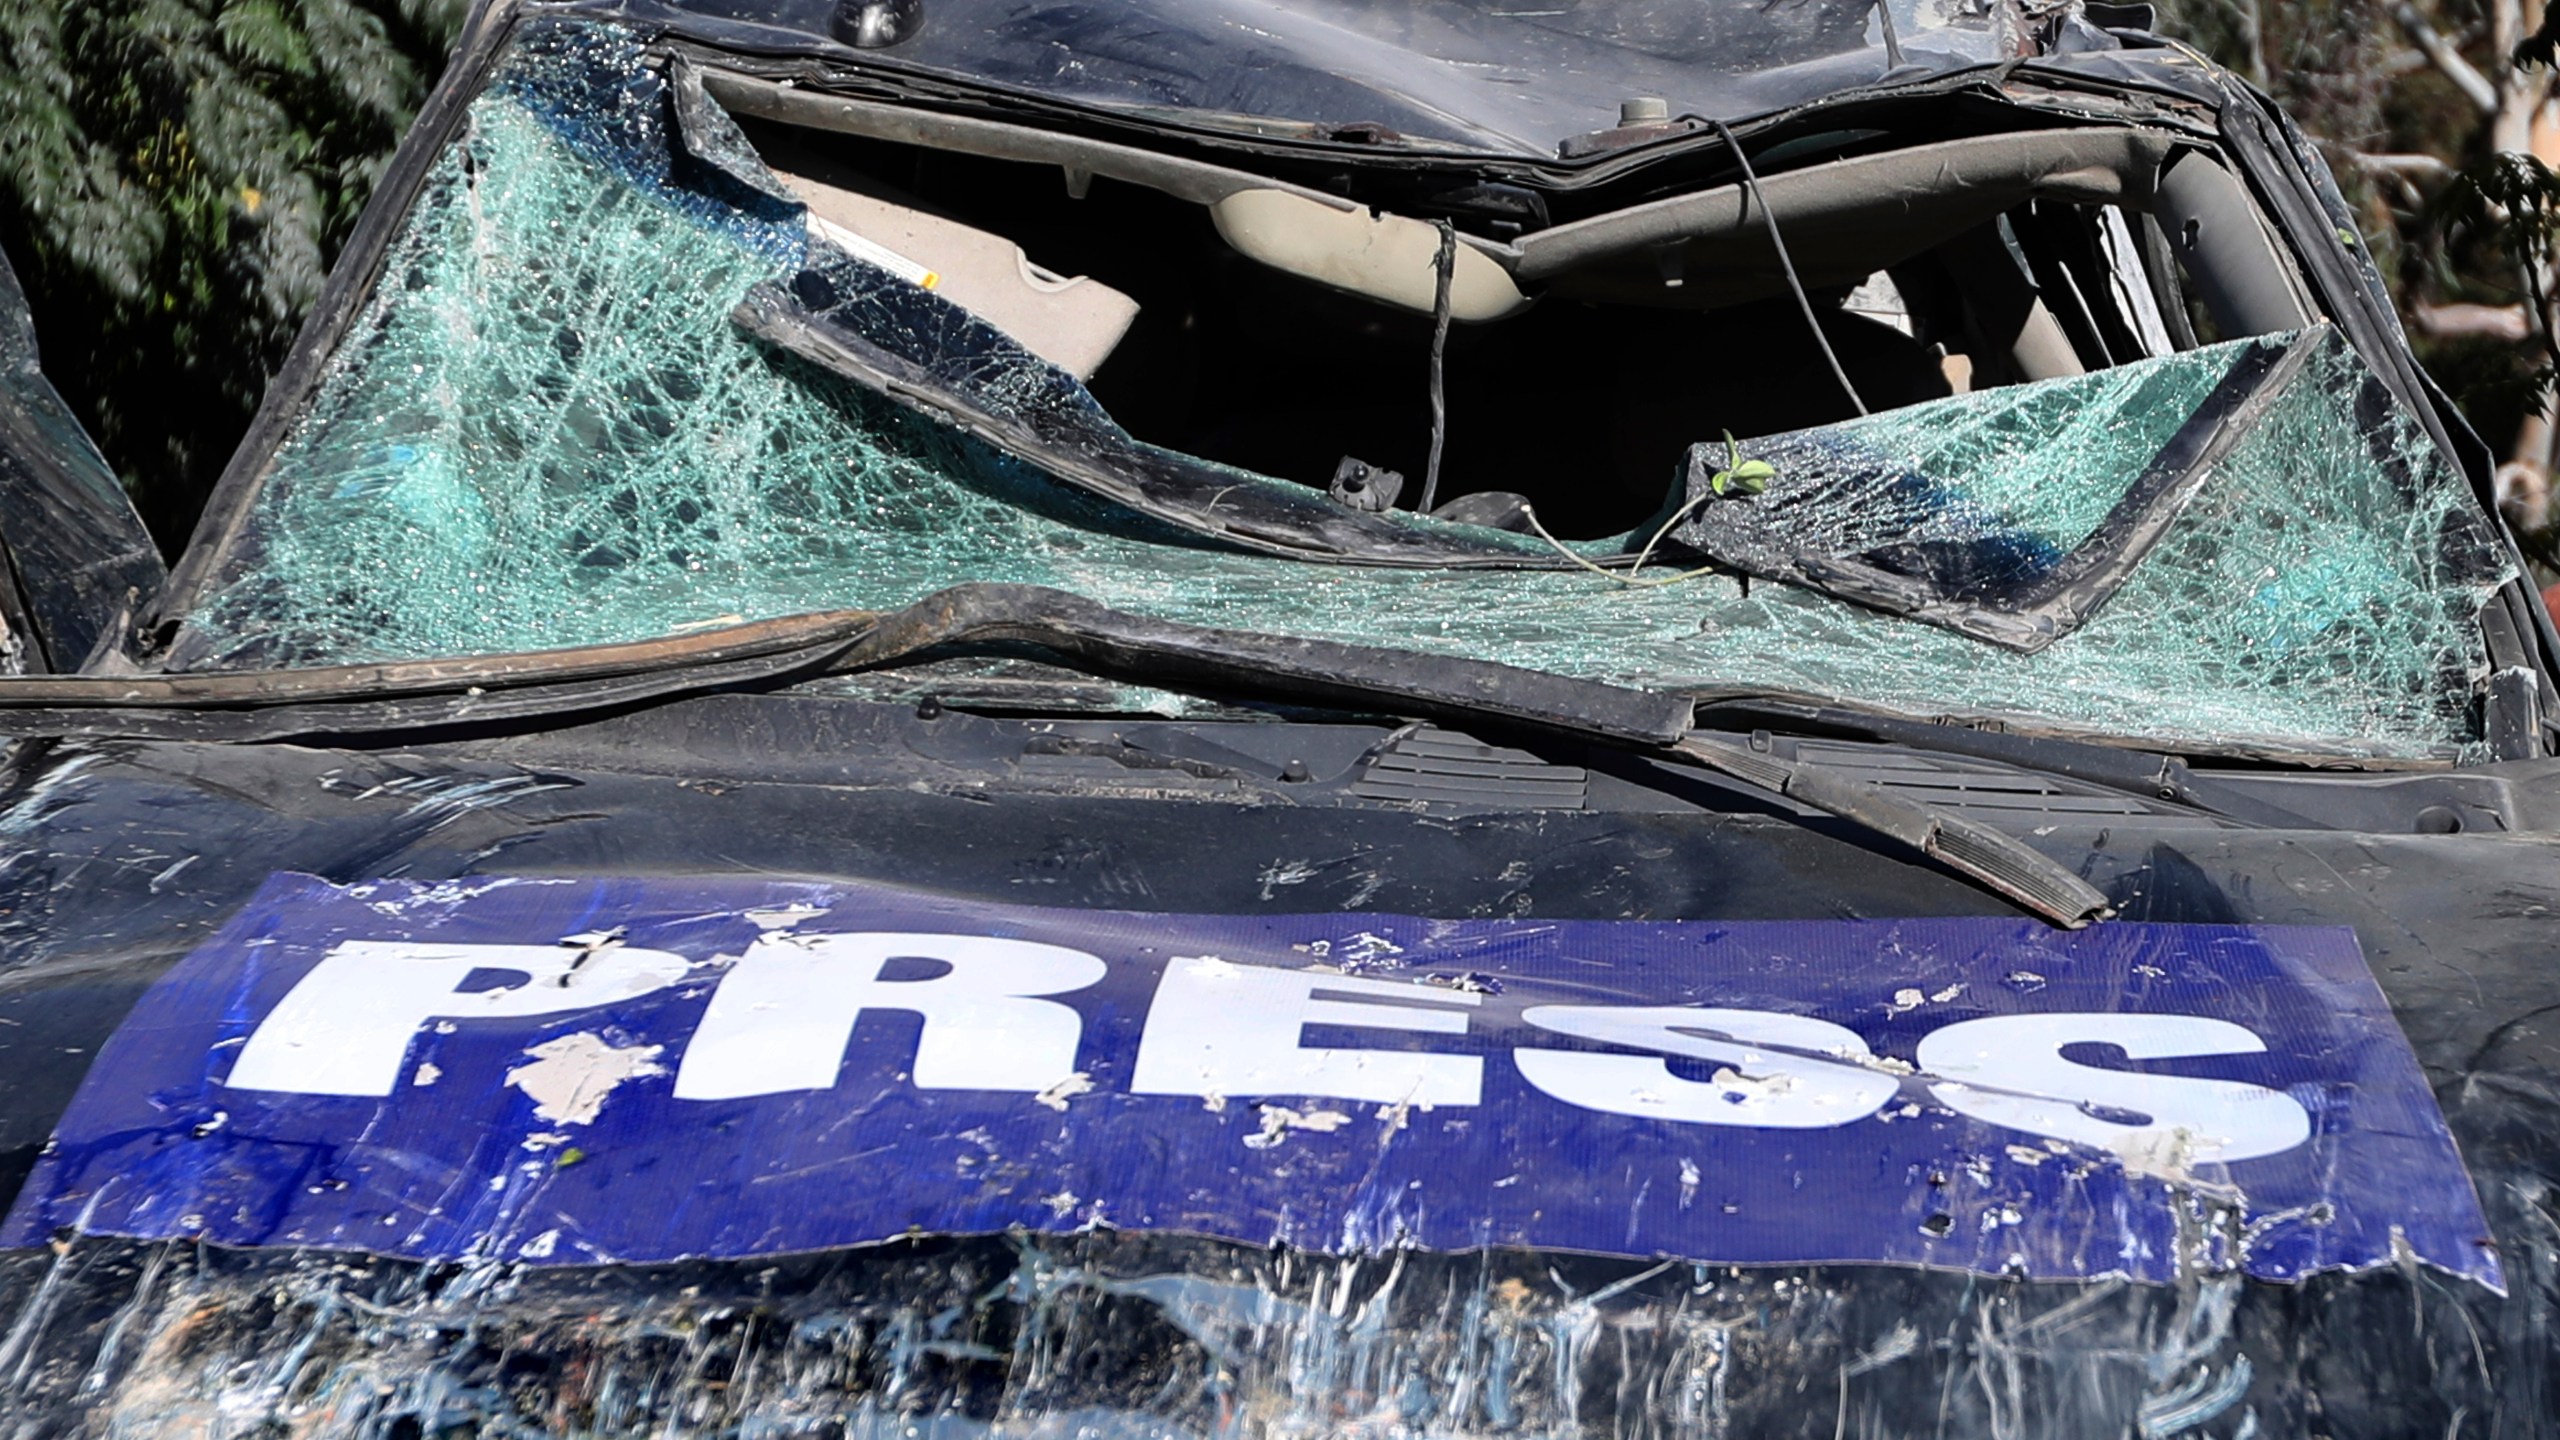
(2512, 200)
(1740, 476)
(2328, 64)
(2449, 221)
(175, 178)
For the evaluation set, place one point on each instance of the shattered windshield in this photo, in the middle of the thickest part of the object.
(548, 428)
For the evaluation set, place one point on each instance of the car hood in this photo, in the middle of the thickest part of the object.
(128, 856)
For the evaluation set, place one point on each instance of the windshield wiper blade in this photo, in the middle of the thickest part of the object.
(2149, 774)
(1466, 689)
(409, 695)
(2001, 862)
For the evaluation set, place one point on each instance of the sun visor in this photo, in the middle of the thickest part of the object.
(1393, 259)
(1072, 321)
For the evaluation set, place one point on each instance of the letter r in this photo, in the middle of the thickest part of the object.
(785, 1012)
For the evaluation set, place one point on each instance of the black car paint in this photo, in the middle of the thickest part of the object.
(122, 853)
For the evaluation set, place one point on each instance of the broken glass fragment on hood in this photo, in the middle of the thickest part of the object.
(2016, 515)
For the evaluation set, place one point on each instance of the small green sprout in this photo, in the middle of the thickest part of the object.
(1740, 476)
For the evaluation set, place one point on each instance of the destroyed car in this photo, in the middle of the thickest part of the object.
(931, 718)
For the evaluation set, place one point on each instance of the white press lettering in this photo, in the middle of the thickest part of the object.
(344, 1029)
(2009, 1070)
(785, 1013)
(1759, 1087)
(1223, 1029)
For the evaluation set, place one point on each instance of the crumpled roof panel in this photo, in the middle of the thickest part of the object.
(1474, 74)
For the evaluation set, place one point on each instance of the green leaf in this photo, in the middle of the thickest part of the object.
(258, 34)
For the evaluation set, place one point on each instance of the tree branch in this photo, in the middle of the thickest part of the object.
(2462, 322)
(2534, 290)
(2465, 77)
(2423, 166)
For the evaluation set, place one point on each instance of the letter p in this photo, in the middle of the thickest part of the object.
(344, 1029)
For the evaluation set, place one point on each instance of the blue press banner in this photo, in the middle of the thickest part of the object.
(634, 1069)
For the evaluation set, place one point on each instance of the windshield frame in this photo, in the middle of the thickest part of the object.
(352, 283)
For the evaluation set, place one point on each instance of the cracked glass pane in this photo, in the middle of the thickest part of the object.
(1993, 485)
(545, 430)
(2276, 468)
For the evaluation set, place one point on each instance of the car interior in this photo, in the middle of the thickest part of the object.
(1593, 334)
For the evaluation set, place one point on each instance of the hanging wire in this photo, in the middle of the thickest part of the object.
(1447, 266)
(1530, 514)
(1892, 41)
(1661, 532)
(1768, 217)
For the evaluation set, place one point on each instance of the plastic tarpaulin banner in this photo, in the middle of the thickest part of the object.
(629, 1070)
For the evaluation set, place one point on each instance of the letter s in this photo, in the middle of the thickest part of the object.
(1775, 1090)
(2009, 1070)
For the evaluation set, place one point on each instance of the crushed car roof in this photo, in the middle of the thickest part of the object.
(1474, 74)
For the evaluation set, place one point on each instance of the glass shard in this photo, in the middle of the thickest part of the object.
(2013, 517)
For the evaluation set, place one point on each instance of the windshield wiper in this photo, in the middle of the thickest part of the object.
(1322, 670)
(1470, 690)
(2002, 863)
(425, 695)
(2146, 773)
